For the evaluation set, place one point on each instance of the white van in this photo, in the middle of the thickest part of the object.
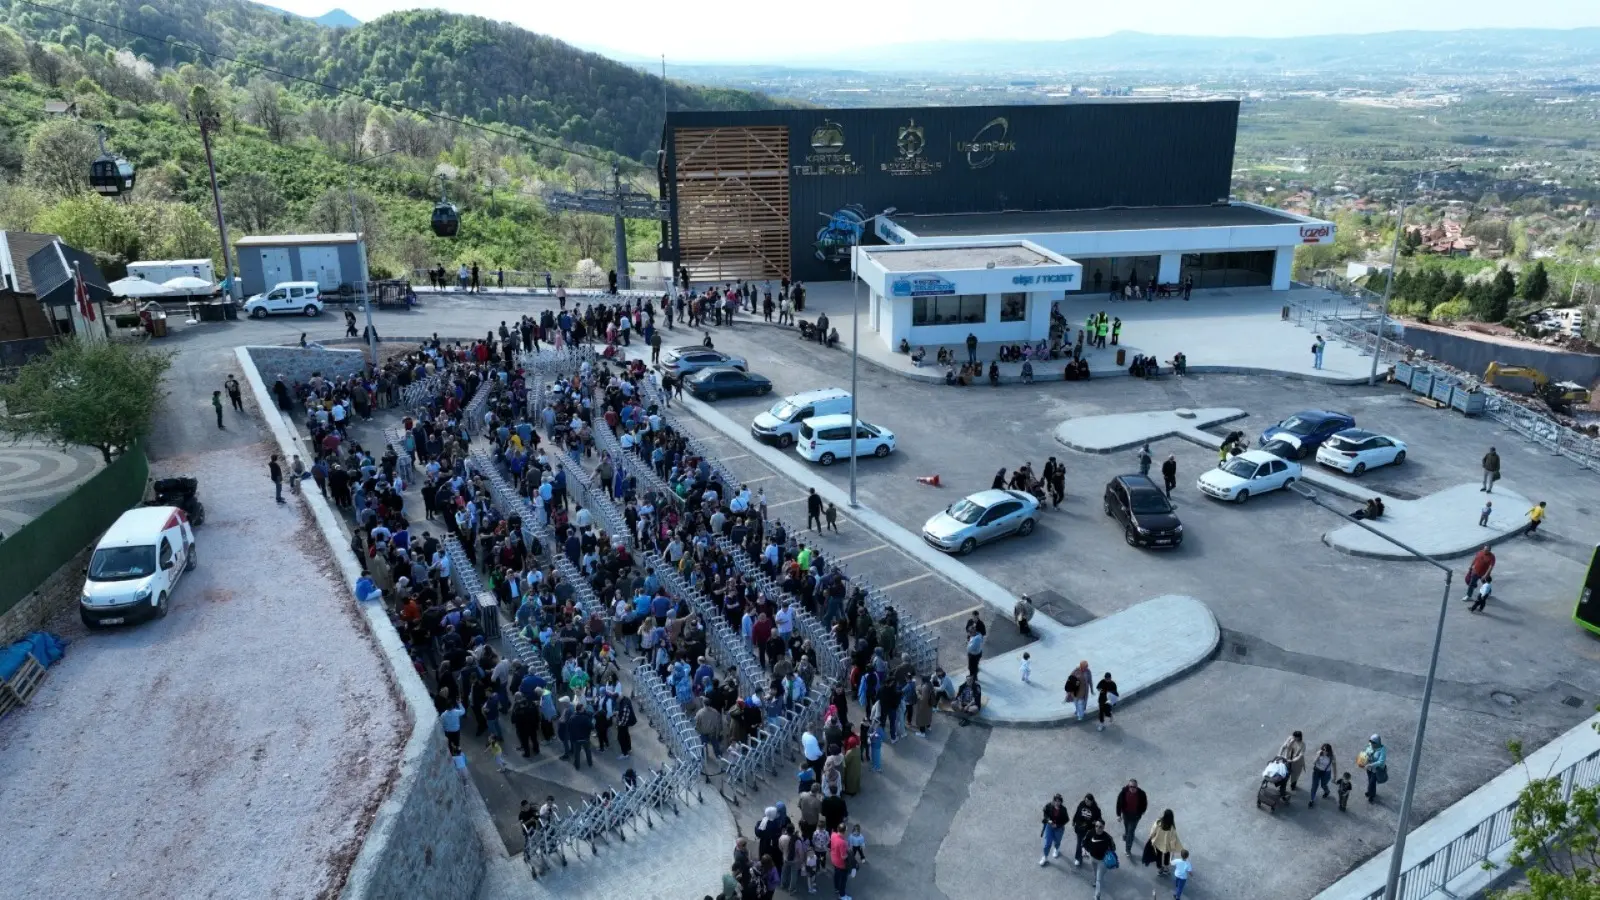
(136, 565)
(781, 424)
(302, 297)
(825, 439)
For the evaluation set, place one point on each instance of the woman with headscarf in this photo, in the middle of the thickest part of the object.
(767, 832)
(1375, 759)
(832, 778)
(922, 713)
(1163, 843)
(852, 766)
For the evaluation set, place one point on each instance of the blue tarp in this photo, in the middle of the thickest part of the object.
(45, 647)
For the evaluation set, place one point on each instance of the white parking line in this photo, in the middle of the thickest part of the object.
(735, 456)
(787, 502)
(890, 587)
(862, 552)
(754, 480)
(954, 615)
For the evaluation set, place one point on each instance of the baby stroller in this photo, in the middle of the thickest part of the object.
(180, 492)
(1274, 790)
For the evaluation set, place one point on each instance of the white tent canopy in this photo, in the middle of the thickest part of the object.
(189, 283)
(138, 287)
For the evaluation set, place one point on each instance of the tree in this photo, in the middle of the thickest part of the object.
(58, 157)
(252, 202)
(330, 213)
(102, 395)
(266, 107)
(13, 52)
(1501, 290)
(93, 222)
(1555, 838)
(1537, 283)
(412, 135)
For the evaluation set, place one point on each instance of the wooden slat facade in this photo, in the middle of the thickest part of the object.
(732, 192)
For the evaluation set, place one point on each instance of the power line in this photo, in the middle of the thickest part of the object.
(393, 104)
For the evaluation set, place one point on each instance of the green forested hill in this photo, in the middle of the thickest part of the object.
(462, 65)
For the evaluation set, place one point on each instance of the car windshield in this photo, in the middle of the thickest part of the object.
(784, 411)
(1298, 425)
(966, 512)
(703, 375)
(122, 563)
(1241, 467)
(1149, 502)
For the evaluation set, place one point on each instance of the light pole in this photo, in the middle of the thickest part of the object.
(1388, 284)
(1391, 890)
(855, 345)
(361, 251)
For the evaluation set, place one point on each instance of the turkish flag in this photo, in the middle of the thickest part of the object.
(84, 306)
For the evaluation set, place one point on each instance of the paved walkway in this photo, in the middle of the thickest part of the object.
(34, 475)
(1151, 643)
(1125, 431)
(1221, 331)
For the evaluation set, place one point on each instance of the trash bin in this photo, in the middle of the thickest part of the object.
(230, 310)
(158, 326)
(1122, 358)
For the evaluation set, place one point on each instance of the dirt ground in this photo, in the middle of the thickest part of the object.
(236, 748)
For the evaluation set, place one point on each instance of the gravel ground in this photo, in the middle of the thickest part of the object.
(237, 748)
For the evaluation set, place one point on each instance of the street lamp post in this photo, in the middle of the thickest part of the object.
(1388, 284)
(1391, 890)
(855, 345)
(361, 251)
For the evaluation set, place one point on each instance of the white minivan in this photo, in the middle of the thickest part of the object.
(824, 439)
(136, 565)
(780, 425)
(292, 297)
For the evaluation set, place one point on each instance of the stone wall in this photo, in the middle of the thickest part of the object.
(294, 364)
(59, 594)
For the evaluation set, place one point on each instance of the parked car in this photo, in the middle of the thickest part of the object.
(1144, 511)
(683, 360)
(980, 518)
(293, 297)
(781, 424)
(1308, 429)
(724, 381)
(824, 439)
(136, 565)
(1249, 474)
(1355, 451)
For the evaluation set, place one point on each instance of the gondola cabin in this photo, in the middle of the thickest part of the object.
(446, 220)
(111, 176)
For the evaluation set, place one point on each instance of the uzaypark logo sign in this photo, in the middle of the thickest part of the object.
(1316, 234)
(1062, 278)
(920, 286)
(990, 140)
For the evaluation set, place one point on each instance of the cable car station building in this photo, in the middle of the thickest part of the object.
(1126, 190)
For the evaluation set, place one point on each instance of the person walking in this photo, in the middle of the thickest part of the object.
(1106, 696)
(1169, 473)
(1485, 513)
(1077, 688)
(1491, 470)
(1053, 826)
(972, 348)
(1131, 805)
(1293, 752)
(235, 394)
(813, 511)
(1317, 349)
(831, 514)
(974, 653)
(655, 347)
(450, 721)
(1084, 818)
(216, 404)
(274, 471)
(1322, 772)
(1535, 518)
(297, 473)
(839, 858)
(1103, 850)
(1163, 843)
(1480, 597)
(1144, 460)
(1482, 567)
(1375, 759)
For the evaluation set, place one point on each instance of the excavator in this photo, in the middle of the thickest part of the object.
(1561, 396)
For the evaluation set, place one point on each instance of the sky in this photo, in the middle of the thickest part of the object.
(756, 31)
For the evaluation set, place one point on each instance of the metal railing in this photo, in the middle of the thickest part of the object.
(576, 283)
(1472, 849)
(417, 393)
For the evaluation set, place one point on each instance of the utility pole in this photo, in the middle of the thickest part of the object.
(234, 289)
(361, 253)
(620, 236)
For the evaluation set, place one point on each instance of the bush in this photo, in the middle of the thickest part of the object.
(1451, 310)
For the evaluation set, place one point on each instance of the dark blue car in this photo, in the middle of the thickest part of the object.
(1306, 430)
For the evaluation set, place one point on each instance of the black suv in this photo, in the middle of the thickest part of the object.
(1143, 510)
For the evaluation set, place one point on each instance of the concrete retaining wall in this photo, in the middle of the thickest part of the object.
(1472, 354)
(293, 364)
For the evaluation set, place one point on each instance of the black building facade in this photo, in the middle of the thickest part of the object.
(785, 192)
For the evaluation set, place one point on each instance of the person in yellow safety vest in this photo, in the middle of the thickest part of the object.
(1103, 329)
(1535, 516)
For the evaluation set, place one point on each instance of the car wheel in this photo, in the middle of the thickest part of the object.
(827, 459)
(1400, 457)
(882, 451)
(194, 559)
(258, 313)
(1242, 497)
(710, 395)
(1131, 536)
(1106, 505)
(1359, 470)
(967, 546)
(161, 606)
(785, 441)
(311, 311)
(765, 390)
(1026, 528)
(1302, 452)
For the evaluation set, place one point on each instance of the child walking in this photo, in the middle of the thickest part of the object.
(858, 847)
(1180, 875)
(1343, 785)
(832, 515)
(875, 746)
(1027, 668)
(497, 752)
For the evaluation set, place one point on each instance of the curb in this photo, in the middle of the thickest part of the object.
(1178, 432)
(1498, 538)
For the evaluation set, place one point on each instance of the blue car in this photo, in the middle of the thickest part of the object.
(1305, 431)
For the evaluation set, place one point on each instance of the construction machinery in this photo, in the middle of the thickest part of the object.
(1561, 396)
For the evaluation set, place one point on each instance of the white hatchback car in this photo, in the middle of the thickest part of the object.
(1249, 474)
(824, 439)
(290, 297)
(1355, 451)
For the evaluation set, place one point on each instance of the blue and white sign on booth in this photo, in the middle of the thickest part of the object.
(921, 286)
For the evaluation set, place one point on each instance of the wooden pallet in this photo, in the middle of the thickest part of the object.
(22, 686)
